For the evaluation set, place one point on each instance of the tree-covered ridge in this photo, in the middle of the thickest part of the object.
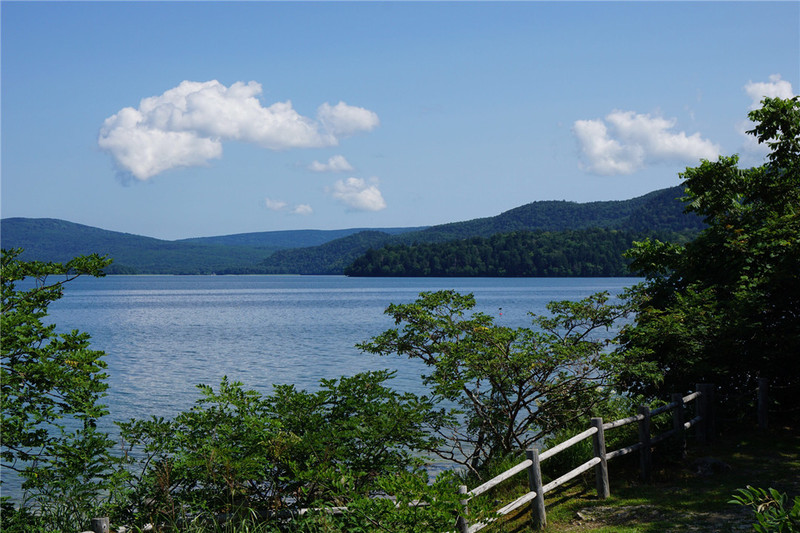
(330, 251)
(660, 210)
(584, 253)
(559, 224)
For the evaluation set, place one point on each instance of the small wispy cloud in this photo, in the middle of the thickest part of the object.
(336, 163)
(275, 205)
(186, 126)
(625, 142)
(358, 194)
(302, 209)
(281, 206)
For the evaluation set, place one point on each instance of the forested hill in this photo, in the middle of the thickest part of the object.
(658, 214)
(537, 239)
(329, 252)
(657, 211)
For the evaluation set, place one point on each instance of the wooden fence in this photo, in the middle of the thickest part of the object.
(703, 421)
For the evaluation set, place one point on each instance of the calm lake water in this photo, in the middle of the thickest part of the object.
(163, 335)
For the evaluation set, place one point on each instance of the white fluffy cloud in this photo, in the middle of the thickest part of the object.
(757, 91)
(626, 142)
(336, 163)
(343, 119)
(358, 195)
(186, 125)
(774, 88)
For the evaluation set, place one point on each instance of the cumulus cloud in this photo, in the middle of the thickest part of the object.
(626, 142)
(185, 126)
(336, 163)
(774, 88)
(358, 195)
(343, 119)
(757, 91)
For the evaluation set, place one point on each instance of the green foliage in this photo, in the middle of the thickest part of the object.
(771, 507)
(51, 389)
(511, 386)
(237, 451)
(725, 307)
(411, 503)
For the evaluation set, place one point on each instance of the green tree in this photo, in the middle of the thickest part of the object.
(725, 307)
(51, 389)
(511, 386)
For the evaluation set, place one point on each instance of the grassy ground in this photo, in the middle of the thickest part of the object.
(683, 495)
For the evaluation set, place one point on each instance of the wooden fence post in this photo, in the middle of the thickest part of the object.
(645, 458)
(539, 515)
(100, 525)
(601, 470)
(677, 423)
(763, 403)
(463, 525)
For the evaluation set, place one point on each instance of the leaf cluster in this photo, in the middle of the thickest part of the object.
(772, 510)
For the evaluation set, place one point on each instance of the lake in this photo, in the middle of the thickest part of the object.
(163, 335)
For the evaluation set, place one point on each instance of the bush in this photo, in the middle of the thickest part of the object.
(237, 452)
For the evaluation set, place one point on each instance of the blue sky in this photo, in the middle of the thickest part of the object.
(186, 119)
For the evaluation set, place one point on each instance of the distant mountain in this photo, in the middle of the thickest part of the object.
(279, 240)
(331, 251)
(329, 258)
(49, 239)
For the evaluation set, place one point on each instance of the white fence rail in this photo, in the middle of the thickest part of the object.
(703, 423)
